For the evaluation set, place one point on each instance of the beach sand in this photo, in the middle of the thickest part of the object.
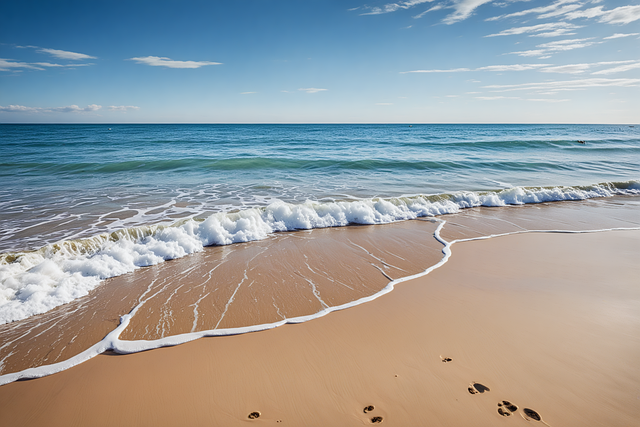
(511, 329)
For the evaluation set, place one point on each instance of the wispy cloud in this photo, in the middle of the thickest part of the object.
(63, 54)
(547, 49)
(12, 65)
(566, 85)
(247, 93)
(619, 69)
(18, 109)
(557, 8)
(123, 107)
(383, 103)
(495, 68)
(68, 109)
(581, 68)
(75, 109)
(463, 9)
(312, 90)
(432, 9)
(555, 28)
(619, 36)
(392, 7)
(159, 61)
(572, 9)
(619, 15)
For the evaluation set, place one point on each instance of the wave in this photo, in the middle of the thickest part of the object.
(36, 281)
(262, 163)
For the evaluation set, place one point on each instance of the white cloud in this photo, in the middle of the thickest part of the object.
(75, 109)
(540, 28)
(434, 8)
(123, 107)
(18, 109)
(247, 93)
(557, 46)
(567, 69)
(11, 65)
(63, 54)
(619, 69)
(515, 67)
(495, 68)
(392, 7)
(619, 15)
(581, 68)
(546, 9)
(552, 7)
(560, 11)
(463, 9)
(312, 90)
(67, 109)
(569, 44)
(566, 85)
(555, 33)
(159, 61)
(618, 36)
(47, 64)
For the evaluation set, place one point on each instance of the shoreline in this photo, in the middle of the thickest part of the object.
(527, 337)
(91, 327)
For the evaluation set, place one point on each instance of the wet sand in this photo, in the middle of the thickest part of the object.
(511, 329)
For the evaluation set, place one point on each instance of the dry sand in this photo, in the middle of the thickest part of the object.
(547, 322)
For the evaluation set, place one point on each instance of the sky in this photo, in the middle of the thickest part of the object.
(320, 61)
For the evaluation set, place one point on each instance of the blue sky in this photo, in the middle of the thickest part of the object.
(312, 61)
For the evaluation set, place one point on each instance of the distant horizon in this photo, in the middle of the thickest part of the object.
(631, 124)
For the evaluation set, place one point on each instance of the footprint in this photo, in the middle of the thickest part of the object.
(506, 408)
(368, 408)
(477, 388)
(376, 420)
(446, 359)
(530, 413)
(254, 415)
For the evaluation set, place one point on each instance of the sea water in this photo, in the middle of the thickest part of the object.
(81, 203)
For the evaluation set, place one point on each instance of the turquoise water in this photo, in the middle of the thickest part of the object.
(72, 181)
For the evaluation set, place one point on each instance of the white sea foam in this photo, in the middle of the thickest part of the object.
(35, 282)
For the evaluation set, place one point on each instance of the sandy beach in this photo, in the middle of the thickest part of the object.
(528, 328)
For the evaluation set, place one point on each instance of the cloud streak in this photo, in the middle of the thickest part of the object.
(620, 15)
(546, 49)
(548, 29)
(566, 85)
(68, 109)
(123, 107)
(63, 54)
(495, 68)
(312, 90)
(392, 7)
(161, 61)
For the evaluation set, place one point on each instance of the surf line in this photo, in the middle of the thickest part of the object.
(112, 341)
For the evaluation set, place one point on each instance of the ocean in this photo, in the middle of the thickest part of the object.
(84, 203)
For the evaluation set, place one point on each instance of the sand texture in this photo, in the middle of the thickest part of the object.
(515, 330)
